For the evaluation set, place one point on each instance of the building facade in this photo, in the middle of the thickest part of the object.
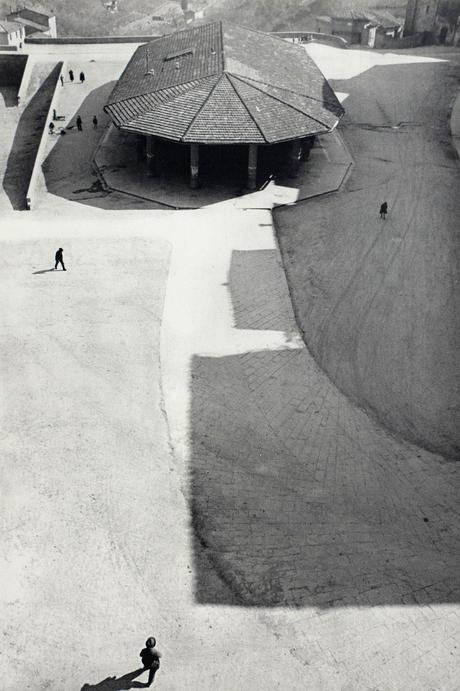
(421, 17)
(35, 22)
(12, 34)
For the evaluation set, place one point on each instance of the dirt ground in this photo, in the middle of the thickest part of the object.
(378, 301)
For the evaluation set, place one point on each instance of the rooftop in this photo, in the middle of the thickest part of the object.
(381, 18)
(7, 27)
(222, 83)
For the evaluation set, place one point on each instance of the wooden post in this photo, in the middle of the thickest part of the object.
(194, 165)
(252, 167)
(294, 158)
(151, 158)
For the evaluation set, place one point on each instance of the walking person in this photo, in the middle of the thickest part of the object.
(150, 657)
(95, 122)
(59, 259)
(62, 80)
(82, 77)
(51, 128)
(383, 210)
(79, 124)
(71, 77)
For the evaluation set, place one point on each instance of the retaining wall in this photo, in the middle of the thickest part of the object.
(45, 40)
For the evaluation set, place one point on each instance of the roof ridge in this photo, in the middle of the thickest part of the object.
(219, 78)
(288, 105)
(290, 91)
(192, 82)
(228, 75)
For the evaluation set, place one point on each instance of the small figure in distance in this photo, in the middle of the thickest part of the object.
(59, 259)
(150, 657)
(383, 210)
(51, 127)
(82, 77)
(95, 122)
(71, 77)
(62, 80)
(79, 123)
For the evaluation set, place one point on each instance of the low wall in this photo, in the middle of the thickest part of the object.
(40, 155)
(69, 40)
(12, 69)
(405, 42)
(11, 49)
(309, 36)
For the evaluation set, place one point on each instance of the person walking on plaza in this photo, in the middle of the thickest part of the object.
(59, 259)
(62, 80)
(71, 77)
(95, 122)
(79, 123)
(383, 210)
(51, 127)
(150, 657)
(82, 77)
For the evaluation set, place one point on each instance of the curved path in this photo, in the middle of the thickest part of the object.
(378, 301)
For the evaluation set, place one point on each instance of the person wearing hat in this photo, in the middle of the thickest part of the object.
(150, 657)
(59, 260)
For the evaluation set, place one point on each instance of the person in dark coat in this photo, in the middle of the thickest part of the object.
(82, 77)
(95, 122)
(150, 657)
(383, 210)
(59, 259)
(51, 127)
(62, 80)
(71, 77)
(79, 123)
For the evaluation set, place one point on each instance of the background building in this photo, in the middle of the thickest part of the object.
(421, 18)
(361, 27)
(35, 22)
(12, 34)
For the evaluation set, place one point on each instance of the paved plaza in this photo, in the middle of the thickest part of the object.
(180, 459)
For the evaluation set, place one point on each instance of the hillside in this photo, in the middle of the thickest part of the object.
(90, 18)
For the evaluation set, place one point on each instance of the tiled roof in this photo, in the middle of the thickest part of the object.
(221, 83)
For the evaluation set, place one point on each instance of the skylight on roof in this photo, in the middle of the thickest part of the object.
(179, 54)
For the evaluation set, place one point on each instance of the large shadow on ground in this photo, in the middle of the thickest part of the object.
(298, 497)
(378, 302)
(27, 140)
(68, 169)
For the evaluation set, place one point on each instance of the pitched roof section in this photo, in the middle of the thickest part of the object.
(220, 83)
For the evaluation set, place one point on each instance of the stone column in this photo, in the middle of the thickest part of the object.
(294, 158)
(151, 158)
(252, 167)
(194, 165)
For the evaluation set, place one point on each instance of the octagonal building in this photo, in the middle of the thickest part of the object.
(223, 85)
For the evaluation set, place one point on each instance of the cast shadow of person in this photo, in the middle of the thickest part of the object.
(121, 684)
(43, 271)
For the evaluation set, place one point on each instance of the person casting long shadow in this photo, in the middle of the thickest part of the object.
(117, 684)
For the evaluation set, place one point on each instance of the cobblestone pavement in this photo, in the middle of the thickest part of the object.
(378, 301)
(341, 538)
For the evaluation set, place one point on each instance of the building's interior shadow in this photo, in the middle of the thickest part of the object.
(117, 684)
(26, 141)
